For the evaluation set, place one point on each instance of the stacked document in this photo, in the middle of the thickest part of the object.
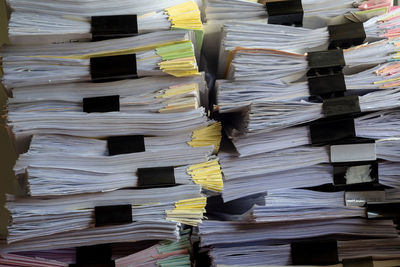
(113, 136)
(145, 214)
(45, 22)
(376, 125)
(375, 250)
(299, 204)
(147, 55)
(52, 166)
(255, 34)
(296, 66)
(164, 253)
(217, 10)
(240, 182)
(264, 115)
(309, 14)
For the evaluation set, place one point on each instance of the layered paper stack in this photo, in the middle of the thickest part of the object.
(113, 137)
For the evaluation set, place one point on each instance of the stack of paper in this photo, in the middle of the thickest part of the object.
(110, 153)
(295, 66)
(309, 14)
(261, 115)
(53, 167)
(58, 222)
(284, 205)
(164, 253)
(75, 65)
(217, 10)
(376, 125)
(45, 22)
(280, 255)
(255, 34)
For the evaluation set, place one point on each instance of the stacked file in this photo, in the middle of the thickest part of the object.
(255, 34)
(164, 253)
(44, 22)
(296, 122)
(309, 14)
(113, 137)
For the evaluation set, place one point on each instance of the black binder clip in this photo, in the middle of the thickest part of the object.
(125, 144)
(314, 252)
(358, 262)
(352, 174)
(288, 12)
(325, 62)
(340, 106)
(327, 86)
(112, 215)
(329, 131)
(94, 256)
(101, 104)
(115, 26)
(113, 68)
(360, 194)
(383, 210)
(156, 177)
(346, 35)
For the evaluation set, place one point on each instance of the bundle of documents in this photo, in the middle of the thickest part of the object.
(376, 263)
(375, 250)
(11, 260)
(176, 59)
(309, 14)
(272, 62)
(144, 91)
(376, 125)
(239, 183)
(381, 77)
(299, 204)
(263, 116)
(51, 221)
(229, 232)
(164, 253)
(255, 34)
(45, 22)
(53, 167)
(313, 10)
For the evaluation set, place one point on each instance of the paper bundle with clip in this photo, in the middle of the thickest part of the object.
(309, 14)
(119, 216)
(44, 22)
(145, 253)
(255, 34)
(160, 53)
(270, 63)
(376, 125)
(379, 252)
(61, 165)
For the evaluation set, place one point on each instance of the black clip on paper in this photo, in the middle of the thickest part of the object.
(346, 35)
(330, 131)
(327, 86)
(101, 104)
(156, 177)
(314, 252)
(112, 215)
(113, 68)
(94, 256)
(358, 262)
(350, 175)
(325, 62)
(289, 12)
(383, 210)
(340, 106)
(125, 144)
(115, 26)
